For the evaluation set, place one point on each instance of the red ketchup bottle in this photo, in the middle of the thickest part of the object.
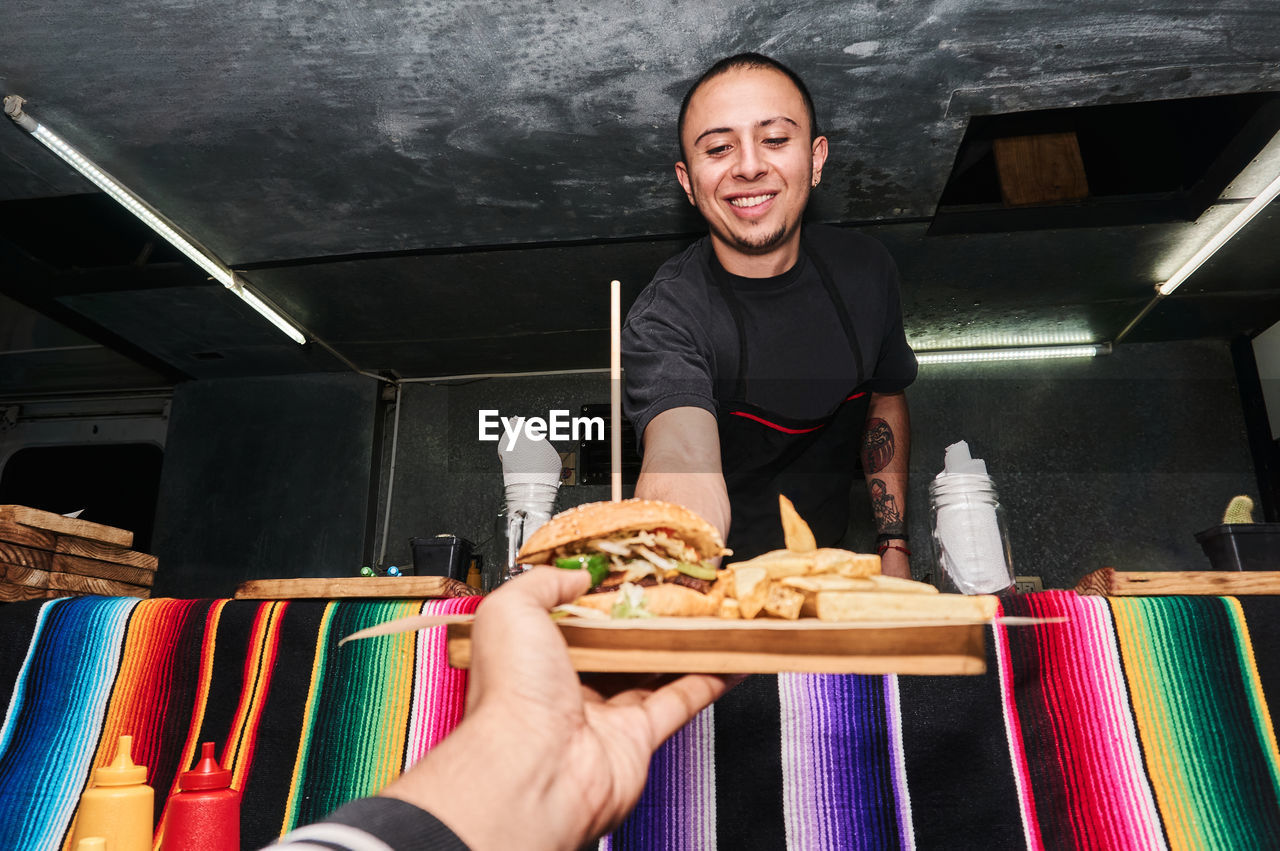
(204, 814)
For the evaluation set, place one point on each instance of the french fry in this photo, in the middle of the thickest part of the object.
(784, 602)
(827, 582)
(845, 563)
(751, 584)
(832, 584)
(881, 582)
(796, 532)
(782, 555)
(858, 606)
(861, 565)
(830, 560)
(782, 568)
(780, 563)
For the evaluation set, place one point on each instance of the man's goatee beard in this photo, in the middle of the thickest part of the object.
(762, 244)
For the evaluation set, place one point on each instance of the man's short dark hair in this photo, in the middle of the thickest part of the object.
(746, 60)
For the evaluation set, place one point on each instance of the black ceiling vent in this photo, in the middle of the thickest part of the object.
(1101, 166)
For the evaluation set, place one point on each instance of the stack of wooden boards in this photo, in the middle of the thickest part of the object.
(44, 555)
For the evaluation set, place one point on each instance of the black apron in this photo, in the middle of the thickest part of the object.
(812, 462)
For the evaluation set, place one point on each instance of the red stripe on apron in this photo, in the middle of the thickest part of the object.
(775, 426)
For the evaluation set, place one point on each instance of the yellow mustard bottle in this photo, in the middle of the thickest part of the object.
(119, 807)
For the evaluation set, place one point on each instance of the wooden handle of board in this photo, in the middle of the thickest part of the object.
(321, 588)
(1109, 582)
(615, 390)
(51, 522)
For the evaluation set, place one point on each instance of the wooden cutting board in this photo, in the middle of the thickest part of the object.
(339, 587)
(66, 525)
(708, 645)
(1109, 582)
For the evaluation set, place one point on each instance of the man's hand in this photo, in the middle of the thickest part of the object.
(542, 760)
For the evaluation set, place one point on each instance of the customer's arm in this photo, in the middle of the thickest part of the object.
(541, 761)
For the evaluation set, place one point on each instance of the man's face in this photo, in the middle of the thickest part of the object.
(749, 161)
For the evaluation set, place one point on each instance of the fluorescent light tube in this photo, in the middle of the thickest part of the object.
(271, 315)
(1025, 353)
(1001, 340)
(149, 217)
(1241, 218)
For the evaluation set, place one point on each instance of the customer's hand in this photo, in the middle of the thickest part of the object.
(541, 759)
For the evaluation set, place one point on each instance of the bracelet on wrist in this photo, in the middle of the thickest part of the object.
(886, 546)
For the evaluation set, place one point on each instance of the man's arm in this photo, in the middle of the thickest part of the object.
(886, 452)
(682, 464)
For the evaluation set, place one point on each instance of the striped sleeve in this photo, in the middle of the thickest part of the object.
(374, 824)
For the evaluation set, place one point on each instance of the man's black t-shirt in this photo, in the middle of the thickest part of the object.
(680, 343)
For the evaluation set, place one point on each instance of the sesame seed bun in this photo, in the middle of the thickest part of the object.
(598, 519)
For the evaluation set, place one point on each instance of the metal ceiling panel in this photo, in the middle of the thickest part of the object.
(444, 187)
(302, 130)
(204, 331)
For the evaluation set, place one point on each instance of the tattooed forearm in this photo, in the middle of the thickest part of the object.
(885, 507)
(877, 446)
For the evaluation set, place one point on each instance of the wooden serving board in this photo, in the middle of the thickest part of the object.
(66, 525)
(63, 584)
(63, 562)
(413, 587)
(709, 645)
(1109, 582)
(11, 592)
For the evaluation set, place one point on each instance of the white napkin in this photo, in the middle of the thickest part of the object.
(967, 532)
(529, 461)
(958, 461)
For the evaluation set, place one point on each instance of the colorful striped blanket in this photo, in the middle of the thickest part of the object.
(303, 725)
(1139, 723)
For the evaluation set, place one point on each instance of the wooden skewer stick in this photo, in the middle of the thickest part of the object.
(615, 389)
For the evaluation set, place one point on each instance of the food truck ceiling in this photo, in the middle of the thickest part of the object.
(446, 188)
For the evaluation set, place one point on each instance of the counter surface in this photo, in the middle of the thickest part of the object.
(1139, 723)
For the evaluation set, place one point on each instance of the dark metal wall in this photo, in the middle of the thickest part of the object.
(1115, 461)
(447, 481)
(264, 478)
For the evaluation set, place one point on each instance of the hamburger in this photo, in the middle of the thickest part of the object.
(646, 557)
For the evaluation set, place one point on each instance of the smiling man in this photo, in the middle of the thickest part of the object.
(769, 357)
